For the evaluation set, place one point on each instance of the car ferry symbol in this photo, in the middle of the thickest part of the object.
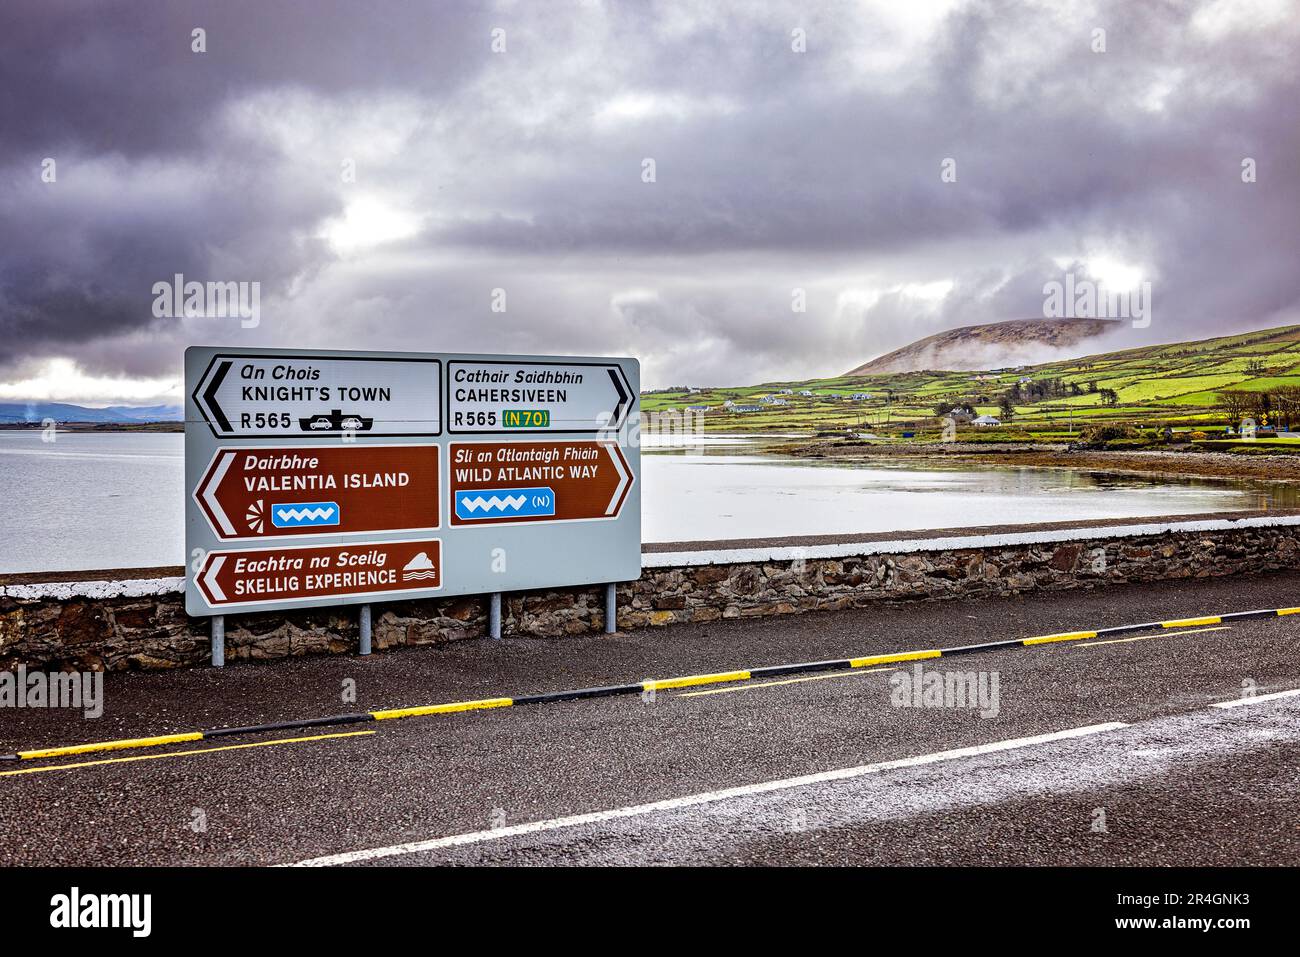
(335, 421)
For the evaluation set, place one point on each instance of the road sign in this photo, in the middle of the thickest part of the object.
(308, 573)
(324, 456)
(246, 395)
(269, 491)
(492, 396)
(497, 483)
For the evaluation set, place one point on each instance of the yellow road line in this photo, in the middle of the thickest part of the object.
(111, 745)
(785, 681)
(181, 754)
(1063, 636)
(1160, 634)
(888, 659)
(649, 684)
(442, 708)
(661, 684)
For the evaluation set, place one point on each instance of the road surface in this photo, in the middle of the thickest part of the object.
(1099, 752)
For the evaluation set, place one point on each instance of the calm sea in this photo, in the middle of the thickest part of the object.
(115, 500)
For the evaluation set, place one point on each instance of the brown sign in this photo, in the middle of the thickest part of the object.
(312, 572)
(343, 489)
(496, 483)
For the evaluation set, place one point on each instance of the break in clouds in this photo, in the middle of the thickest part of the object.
(473, 176)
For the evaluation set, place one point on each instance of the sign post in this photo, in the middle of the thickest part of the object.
(334, 478)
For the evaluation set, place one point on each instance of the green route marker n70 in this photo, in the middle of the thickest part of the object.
(318, 478)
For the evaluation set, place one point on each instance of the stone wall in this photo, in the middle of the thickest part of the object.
(153, 631)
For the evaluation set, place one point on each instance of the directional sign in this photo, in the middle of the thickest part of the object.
(305, 573)
(493, 396)
(497, 483)
(309, 396)
(264, 491)
(317, 478)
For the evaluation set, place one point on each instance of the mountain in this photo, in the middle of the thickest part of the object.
(11, 412)
(998, 344)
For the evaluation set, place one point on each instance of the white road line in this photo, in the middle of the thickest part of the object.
(1160, 634)
(707, 797)
(1238, 702)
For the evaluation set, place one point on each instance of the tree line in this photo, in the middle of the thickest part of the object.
(1277, 405)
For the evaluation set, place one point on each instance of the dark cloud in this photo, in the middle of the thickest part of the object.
(522, 171)
(119, 76)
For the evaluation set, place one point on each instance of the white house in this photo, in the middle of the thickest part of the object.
(986, 420)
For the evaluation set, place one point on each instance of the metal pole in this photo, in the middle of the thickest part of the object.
(365, 630)
(611, 608)
(494, 616)
(218, 641)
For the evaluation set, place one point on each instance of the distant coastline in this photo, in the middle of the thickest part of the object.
(96, 426)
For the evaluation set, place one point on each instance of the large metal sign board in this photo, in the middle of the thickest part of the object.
(329, 478)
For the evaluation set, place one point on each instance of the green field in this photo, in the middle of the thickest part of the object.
(1156, 386)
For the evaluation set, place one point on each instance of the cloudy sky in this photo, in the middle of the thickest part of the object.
(382, 168)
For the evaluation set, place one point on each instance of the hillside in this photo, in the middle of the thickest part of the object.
(35, 412)
(1175, 384)
(997, 344)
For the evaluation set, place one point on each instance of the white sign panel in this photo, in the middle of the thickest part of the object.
(492, 396)
(310, 396)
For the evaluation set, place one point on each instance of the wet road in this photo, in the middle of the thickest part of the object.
(1110, 751)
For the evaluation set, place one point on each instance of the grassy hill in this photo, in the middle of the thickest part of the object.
(1152, 386)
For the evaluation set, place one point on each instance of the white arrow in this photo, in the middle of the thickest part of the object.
(623, 478)
(210, 578)
(209, 492)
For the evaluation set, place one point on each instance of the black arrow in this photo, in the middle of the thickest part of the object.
(210, 396)
(623, 398)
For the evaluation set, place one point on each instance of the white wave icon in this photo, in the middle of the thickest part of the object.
(496, 503)
(318, 514)
(419, 568)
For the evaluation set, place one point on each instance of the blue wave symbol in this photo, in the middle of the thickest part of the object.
(300, 514)
(504, 503)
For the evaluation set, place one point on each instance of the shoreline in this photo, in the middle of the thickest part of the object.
(1185, 464)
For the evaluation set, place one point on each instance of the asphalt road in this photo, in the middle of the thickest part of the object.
(1097, 752)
